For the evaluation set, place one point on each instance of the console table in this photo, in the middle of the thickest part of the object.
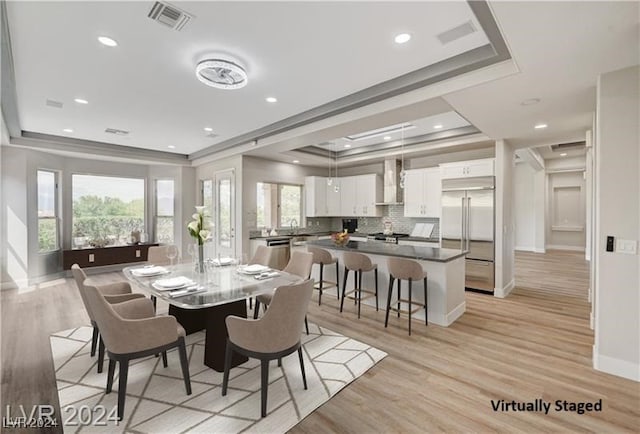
(110, 255)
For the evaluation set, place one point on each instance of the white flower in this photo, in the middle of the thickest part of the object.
(193, 226)
(205, 234)
(200, 209)
(195, 216)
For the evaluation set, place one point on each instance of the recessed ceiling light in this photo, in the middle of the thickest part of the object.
(540, 126)
(564, 154)
(208, 129)
(68, 130)
(81, 101)
(296, 161)
(271, 99)
(107, 41)
(530, 101)
(347, 145)
(171, 147)
(402, 38)
(387, 137)
(437, 127)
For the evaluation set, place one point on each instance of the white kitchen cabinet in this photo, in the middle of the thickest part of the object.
(467, 169)
(348, 196)
(368, 193)
(334, 199)
(422, 193)
(315, 194)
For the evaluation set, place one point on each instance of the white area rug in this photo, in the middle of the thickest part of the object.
(157, 402)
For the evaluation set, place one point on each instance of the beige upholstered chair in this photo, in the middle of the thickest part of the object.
(323, 257)
(117, 292)
(157, 255)
(406, 269)
(359, 263)
(300, 264)
(273, 336)
(130, 331)
(262, 256)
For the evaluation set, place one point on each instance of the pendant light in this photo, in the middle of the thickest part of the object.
(330, 179)
(336, 186)
(402, 172)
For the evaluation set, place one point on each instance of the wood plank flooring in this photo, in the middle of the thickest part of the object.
(556, 272)
(533, 344)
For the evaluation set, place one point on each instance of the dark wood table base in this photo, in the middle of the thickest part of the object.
(212, 319)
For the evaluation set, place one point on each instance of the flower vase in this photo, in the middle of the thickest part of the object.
(199, 267)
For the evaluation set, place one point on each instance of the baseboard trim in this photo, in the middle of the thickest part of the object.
(561, 247)
(536, 250)
(456, 313)
(618, 367)
(503, 292)
(524, 249)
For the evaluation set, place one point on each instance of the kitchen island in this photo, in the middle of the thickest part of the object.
(445, 274)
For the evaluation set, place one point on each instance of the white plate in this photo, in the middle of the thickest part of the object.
(223, 261)
(172, 283)
(149, 271)
(254, 269)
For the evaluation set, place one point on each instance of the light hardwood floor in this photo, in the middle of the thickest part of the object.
(533, 344)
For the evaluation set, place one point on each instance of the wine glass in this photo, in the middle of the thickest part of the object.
(172, 253)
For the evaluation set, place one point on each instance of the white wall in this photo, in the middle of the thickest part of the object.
(556, 237)
(504, 263)
(524, 207)
(617, 158)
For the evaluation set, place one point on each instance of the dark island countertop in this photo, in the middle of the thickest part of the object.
(386, 249)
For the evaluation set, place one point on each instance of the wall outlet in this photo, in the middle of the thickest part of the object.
(92, 258)
(629, 247)
(137, 253)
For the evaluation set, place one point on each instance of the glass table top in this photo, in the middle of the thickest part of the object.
(218, 285)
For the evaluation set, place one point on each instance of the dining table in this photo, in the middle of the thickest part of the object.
(202, 301)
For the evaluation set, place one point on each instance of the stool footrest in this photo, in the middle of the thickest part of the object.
(324, 285)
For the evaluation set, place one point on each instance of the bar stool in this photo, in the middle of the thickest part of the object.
(406, 269)
(359, 263)
(323, 257)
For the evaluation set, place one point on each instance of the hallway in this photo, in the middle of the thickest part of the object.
(559, 272)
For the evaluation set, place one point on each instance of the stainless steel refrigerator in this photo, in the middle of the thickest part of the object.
(468, 221)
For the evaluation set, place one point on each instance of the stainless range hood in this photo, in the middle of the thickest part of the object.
(393, 194)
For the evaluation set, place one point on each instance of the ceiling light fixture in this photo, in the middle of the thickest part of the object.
(347, 145)
(402, 38)
(68, 130)
(208, 129)
(221, 74)
(437, 127)
(387, 137)
(296, 161)
(104, 40)
(540, 126)
(271, 99)
(564, 154)
(81, 101)
(530, 101)
(171, 147)
(403, 174)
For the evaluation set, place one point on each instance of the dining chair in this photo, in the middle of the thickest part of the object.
(300, 265)
(262, 256)
(116, 292)
(158, 255)
(273, 336)
(130, 331)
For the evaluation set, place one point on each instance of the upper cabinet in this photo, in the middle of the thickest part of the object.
(356, 196)
(422, 192)
(467, 169)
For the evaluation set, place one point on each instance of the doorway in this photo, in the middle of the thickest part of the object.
(224, 213)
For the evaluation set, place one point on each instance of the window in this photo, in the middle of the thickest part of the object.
(277, 205)
(207, 194)
(164, 210)
(106, 209)
(47, 211)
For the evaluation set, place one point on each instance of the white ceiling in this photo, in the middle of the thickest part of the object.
(305, 54)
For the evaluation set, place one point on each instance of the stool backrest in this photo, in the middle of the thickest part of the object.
(357, 261)
(406, 269)
(320, 256)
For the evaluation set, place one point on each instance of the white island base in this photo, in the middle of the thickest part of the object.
(445, 281)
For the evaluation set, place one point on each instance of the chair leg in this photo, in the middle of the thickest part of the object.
(344, 287)
(100, 355)
(375, 272)
(257, 309)
(359, 293)
(164, 359)
(227, 365)
(410, 309)
(279, 362)
(304, 377)
(154, 300)
(399, 295)
(338, 279)
(184, 364)
(111, 371)
(264, 371)
(122, 386)
(355, 286)
(306, 325)
(250, 302)
(426, 313)
(320, 285)
(94, 341)
(386, 316)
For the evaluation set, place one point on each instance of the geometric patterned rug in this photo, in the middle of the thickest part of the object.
(157, 403)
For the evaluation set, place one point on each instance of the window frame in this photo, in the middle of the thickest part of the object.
(155, 209)
(278, 214)
(56, 210)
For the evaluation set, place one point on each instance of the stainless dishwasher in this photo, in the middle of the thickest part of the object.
(280, 252)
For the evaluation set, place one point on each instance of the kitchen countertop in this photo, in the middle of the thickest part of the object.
(387, 249)
(288, 236)
(421, 239)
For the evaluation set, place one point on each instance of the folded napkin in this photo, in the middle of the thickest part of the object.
(186, 291)
(149, 271)
(255, 268)
(267, 275)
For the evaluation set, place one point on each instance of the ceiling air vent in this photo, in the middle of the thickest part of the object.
(52, 103)
(169, 15)
(561, 147)
(456, 33)
(116, 131)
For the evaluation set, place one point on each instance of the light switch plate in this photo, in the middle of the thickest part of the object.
(630, 247)
(92, 258)
(137, 253)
